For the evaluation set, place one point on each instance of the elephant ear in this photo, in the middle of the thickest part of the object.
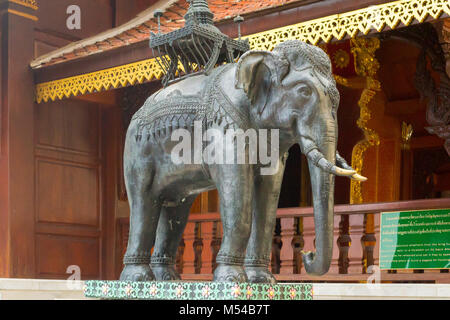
(253, 75)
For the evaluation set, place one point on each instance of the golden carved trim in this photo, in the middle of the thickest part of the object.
(107, 79)
(26, 3)
(351, 23)
(22, 14)
(367, 66)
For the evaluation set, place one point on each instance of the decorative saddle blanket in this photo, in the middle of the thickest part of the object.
(157, 119)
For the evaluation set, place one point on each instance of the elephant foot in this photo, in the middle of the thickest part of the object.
(137, 272)
(229, 273)
(260, 275)
(165, 272)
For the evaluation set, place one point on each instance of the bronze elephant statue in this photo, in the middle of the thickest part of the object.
(291, 90)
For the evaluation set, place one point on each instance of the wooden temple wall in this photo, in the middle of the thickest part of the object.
(69, 188)
(58, 166)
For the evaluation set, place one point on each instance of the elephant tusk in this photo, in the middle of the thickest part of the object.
(359, 177)
(343, 172)
(343, 163)
(319, 160)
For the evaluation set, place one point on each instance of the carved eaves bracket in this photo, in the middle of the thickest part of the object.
(426, 38)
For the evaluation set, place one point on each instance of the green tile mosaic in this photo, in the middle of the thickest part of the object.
(180, 290)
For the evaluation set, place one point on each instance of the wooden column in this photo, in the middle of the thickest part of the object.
(4, 210)
(204, 202)
(17, 245)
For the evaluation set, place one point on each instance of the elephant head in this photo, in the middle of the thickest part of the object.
(293, 89)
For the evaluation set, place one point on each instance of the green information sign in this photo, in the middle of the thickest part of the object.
(415, 240)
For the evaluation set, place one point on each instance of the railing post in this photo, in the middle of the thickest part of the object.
(189, 252)
(344, 242)
(179, 257)
(368, 242)
(288, 231)
(275, 256)
(298, 243)
(216, 242)
(207, 236)
(198, 247)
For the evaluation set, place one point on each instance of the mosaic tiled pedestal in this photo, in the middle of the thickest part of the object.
(180, 290)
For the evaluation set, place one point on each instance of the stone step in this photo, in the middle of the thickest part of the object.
(31, 289)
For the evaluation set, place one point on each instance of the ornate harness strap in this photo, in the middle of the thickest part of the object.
(215, 94)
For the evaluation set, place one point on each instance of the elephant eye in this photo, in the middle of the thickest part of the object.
(305, 91)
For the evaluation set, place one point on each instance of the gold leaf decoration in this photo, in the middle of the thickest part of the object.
(341, 59)
(366, 66)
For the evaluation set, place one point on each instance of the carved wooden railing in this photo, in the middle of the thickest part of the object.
(354, 249)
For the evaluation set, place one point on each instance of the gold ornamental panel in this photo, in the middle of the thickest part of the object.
(352, 23)
(138, 72)
(366, 65)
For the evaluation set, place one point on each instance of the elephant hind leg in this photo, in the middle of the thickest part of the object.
(168, 236)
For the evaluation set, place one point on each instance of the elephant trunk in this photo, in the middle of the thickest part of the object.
(322, 184)
(322, 170)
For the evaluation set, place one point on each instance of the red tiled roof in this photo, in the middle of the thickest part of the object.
(139, 28)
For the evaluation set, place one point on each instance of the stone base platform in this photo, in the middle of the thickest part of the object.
(27, 289)
(181, 290)
(33, 289)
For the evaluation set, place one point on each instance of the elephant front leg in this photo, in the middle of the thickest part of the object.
(235, 186)
(267, 192)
